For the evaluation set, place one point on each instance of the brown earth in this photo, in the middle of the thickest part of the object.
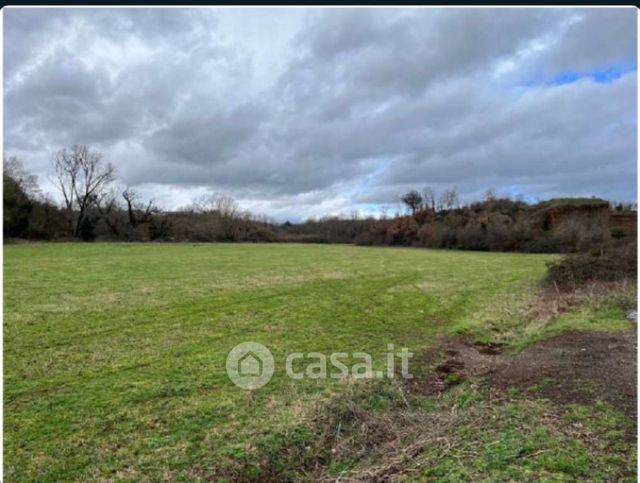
(577, 367)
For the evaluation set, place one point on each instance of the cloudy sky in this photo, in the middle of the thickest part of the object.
(307, 112)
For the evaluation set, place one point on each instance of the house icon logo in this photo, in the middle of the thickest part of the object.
(250, 365)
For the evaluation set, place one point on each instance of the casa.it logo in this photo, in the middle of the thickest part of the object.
(250, 365)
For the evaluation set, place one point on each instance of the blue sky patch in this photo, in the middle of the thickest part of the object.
(602, 75)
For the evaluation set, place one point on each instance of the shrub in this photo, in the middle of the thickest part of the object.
(617, 233)
(86, 229)
(612, 262)
(436, 236)
(402, 231)
(472, 237)
(426, 235)
(364, 238)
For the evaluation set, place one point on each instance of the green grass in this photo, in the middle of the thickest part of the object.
(605, 313)
(114, 354)
(464, 435)
(531, 440)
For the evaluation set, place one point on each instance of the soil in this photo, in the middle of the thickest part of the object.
(577, 367)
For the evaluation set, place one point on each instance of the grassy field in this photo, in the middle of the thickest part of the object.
(114, 354)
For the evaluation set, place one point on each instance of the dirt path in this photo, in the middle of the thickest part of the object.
(577, 367)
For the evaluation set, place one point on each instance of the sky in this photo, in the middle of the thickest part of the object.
(299, 113)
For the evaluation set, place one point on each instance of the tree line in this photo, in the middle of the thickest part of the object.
(95, 207)
(491, 224)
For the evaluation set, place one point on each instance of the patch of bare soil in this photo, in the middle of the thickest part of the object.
(454, 360)
(574, 367)
(577, 367)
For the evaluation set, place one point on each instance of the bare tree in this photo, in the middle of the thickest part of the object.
(223, 209)
(136, 211)
(82, 178)
(12, 167)
(219, 204)
(449, 198)
(429, 198)
(109, 210)
(226, 206)
(412, 199)
(130, 197)
(490, 195)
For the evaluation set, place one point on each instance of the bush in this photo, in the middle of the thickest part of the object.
(472, 237)
(86, 229)
(402, 231)
(437, 236)
(365, 239)
(428, 236)
(617, 233)
(612, 262)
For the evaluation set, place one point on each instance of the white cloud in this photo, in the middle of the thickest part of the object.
(302, 113)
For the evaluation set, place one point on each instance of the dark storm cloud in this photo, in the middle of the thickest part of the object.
(330, 109)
